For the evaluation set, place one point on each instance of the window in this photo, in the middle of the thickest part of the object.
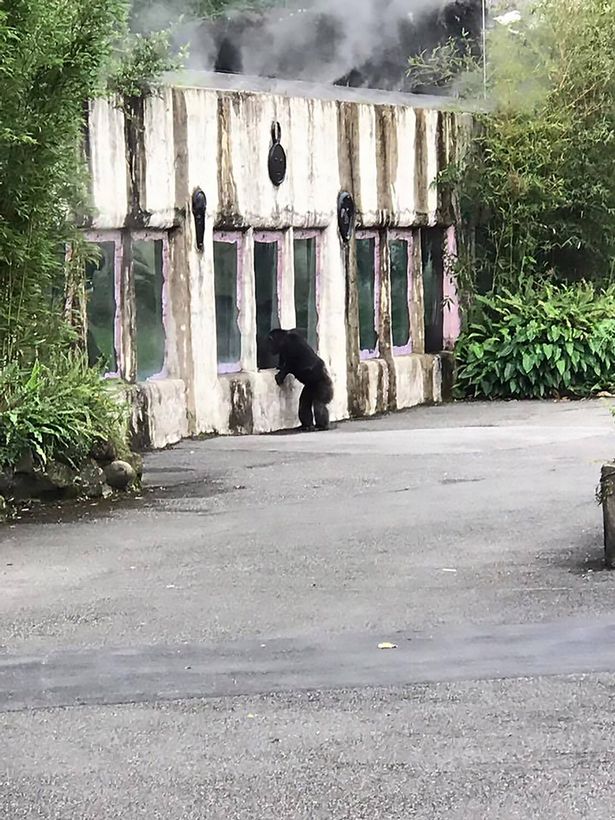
(101, 308)
(366, 283)
(266, 266)
(432, 252)
(306, 310)
(400, 256)
(226, 277)
(148, 276)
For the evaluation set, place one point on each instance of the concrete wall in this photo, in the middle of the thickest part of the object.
(146, 160)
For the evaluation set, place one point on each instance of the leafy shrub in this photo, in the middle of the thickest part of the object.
(143, 59)
(58, 410)
(546, 340)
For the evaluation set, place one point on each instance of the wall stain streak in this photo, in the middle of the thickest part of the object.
(348, 160)
(134, 135)
(241, 418)
(443, 139)
(227, 188)
(421, 184)
(180, 295)
(140, 437)
(85, 220)
(128, 327)
(387, 161)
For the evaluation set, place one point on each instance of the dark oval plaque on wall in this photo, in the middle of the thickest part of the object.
(199, 209)
(277, 156)
(346, 215)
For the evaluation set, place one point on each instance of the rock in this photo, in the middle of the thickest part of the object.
(120, 475)
(91, 480)
(7, 477)
(136, 462)
(60, 475)
(26, 464)
(104, 452)
(26, 486)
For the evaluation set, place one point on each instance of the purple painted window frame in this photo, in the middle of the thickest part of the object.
(157, 236)
(96, 238)
(278, 238)
(406, 236)
(316, 234)
(364, 355)
(117, 237)
(233, 238)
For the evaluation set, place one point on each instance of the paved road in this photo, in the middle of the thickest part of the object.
(211, 650)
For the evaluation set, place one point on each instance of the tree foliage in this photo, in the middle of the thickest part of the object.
(53, 57)
(196, 9)
(539, 184)
(536, 192)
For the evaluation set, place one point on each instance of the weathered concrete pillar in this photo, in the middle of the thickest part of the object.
(607, 497)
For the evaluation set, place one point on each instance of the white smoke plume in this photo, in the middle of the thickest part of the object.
(315, 40)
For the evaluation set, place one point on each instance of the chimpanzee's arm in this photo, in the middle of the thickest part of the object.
(283, 370)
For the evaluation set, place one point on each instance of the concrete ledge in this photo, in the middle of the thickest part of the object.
(252, 403)
(159, 413)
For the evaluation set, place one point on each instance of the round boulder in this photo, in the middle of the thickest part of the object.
(120, 475)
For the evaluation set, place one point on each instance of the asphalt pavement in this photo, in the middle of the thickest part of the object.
(212, 648)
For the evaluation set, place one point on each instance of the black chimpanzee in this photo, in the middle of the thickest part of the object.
(298, 358)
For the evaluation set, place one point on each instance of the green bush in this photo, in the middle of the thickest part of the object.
(57, 410)
(546, 340)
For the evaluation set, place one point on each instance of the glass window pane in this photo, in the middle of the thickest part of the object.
(432, 243)
(305, 289)
(100, 290)
(267, 314)
(227, 313)
(147, 267)
(400, 314)
(366, 280)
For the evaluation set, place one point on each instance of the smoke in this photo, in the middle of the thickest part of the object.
(350, 42)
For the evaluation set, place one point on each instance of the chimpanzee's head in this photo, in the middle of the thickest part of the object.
(276, 340)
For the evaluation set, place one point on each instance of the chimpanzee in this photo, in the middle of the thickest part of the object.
(298, 358)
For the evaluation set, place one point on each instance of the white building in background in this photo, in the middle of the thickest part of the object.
(186, 324)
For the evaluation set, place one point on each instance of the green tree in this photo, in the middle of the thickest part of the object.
(204, 9)
(539, 183)
(54, 56)
(536, 191)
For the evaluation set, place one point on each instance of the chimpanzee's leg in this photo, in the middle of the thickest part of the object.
(306, 415)
(321, 414)
(323, 394)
